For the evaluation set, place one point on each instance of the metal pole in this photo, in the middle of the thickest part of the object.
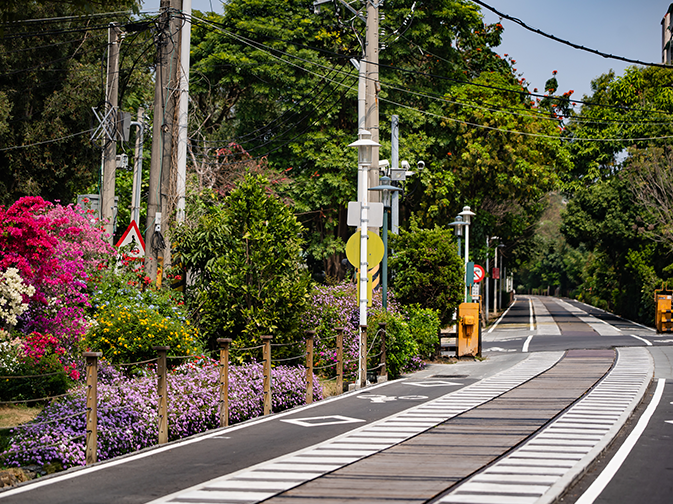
(138, 166)
(91, 449)
(495, 287)
(487, 280)
(394, 165)
(183, 107)
(224, 380)
(107, 199)
(363, 357)
(384, 262)
(467, 254)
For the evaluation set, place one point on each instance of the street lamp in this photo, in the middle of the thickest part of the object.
(386, 191)
(458, 225)
(467, 215)
(364, 145)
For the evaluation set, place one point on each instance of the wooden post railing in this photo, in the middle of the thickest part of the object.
(309, 366)
(91, 449)
(162, 391)
(224, 380)
(340, 360)
(266, 339)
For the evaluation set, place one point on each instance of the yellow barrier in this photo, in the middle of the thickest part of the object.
(467, 342)
(663, 314)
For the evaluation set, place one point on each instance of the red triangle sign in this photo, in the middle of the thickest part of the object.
(133, 237)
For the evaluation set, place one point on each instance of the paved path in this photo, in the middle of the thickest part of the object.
(421, 454)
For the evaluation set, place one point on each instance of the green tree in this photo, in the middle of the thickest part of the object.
(51, 78)
(253, 280)
(283, 87)
(427, 269)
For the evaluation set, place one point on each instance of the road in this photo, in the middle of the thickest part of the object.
(563, 388)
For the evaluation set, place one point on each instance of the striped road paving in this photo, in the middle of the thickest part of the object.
(271, 478)
(541, 469)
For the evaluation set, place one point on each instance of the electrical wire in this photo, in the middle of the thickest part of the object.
(567, 42)
(14, 147)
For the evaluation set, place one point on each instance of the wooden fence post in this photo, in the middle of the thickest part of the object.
(309, 366)
(162, 391)
(340, 360)
(266, 339)
(224, 380)
(383, 372)
(363, 356)
(91, 449)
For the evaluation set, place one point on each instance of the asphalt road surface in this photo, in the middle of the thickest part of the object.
(533, 330)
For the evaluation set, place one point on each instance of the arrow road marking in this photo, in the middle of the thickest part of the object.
(322, 420)
(433, 383)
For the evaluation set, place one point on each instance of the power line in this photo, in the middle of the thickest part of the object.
(567, 42)
(14, 147)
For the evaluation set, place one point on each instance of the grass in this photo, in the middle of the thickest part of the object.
(11, 416)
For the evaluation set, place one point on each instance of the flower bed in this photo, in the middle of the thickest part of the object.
(127, 411)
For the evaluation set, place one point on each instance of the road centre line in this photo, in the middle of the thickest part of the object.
(597, 487)
(502, 316)
(530, 309)
(526, 343)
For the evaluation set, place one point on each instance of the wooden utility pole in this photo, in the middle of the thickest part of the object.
(107, 198)
(161, 165)
(372, 93)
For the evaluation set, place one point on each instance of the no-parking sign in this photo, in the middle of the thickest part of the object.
(478, 273)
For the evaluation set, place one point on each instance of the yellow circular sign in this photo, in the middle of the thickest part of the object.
(375, 249)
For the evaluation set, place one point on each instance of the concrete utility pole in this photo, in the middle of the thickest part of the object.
(394, 165)
(138, 166)
(372, 92)
(158, 204)
(107, 199)
(185, 38)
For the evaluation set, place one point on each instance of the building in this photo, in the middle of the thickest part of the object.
(666, 44)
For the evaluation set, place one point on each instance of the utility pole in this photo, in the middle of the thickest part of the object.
(372, 92)
(395, 165)
(107, 199)
(158, 207)
(185, 38)
(138, 166)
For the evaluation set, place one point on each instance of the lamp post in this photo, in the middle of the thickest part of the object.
(467, 215)
(458, 229)
(364, 145)
(387, 190)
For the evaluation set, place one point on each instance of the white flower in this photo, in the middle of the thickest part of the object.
(12, 290)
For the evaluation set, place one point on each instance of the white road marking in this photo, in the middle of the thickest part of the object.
(530, 308)
(546, 325)
(526, 343)
(648, 343)
(322, 420)
(597, 487)
(502, 316)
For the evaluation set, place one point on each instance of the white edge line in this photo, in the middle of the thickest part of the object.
(502, 316)
(621, 318)
(648, 343)
(590, 495)
(526, 343)
(153, 450)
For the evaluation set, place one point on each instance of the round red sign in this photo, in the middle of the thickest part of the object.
(478, 273)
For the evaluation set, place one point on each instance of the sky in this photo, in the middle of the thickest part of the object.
(629, 28)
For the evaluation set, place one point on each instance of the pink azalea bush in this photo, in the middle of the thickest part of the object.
(56, 249)
(127, 411)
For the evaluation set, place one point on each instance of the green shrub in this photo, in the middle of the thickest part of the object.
(401, 347)
(424, 326)
(126, 334)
